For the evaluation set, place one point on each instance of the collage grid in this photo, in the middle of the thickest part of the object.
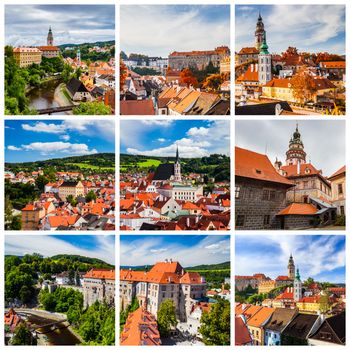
(172, 242)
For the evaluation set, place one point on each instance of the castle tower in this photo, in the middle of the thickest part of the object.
(291, 268)
(78, 57)
(298, 292)
(177, 167)
(296, 154)
(264, 62)
(50, 38)
(260, 34)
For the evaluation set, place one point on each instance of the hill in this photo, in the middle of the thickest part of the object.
(215, 165)
(83, 259)
(222, 266)
(96, 43)
(99, 161)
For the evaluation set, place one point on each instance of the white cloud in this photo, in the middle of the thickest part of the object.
(161, 139)
(49, 246)
(307, 33)
(13, 148)
(149, 250)
(157, 122)
(47, 148)
(65, 137)
(44, 127)
(158, 30)
(201, 142)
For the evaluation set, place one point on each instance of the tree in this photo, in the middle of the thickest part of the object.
(92, 108)
(22, 336)
(70, 199)
(215, 324)
(187, 77)
(91, 196)
(40, 182)
(213, 82)
(303, 86)
(166, 317)
(309, 282)
(123, 71)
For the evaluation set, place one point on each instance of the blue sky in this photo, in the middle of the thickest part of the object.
(32, 140)
(71, 24)
(93, 246)
(157, 30)
(310, 28)
(316, 256)
(188, 250)
(195, 138)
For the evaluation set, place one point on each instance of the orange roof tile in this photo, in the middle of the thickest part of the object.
(257, 166)
(333, 64)
(305, 169)
(248, 51)
(242, 335)
(258, 319)
(187, 102)
(299, 209)
(338, 172)
(100, 274)
(137, 107)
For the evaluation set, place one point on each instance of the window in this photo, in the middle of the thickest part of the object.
(266, 220)
(240, 220)
(272, 195)
(265, 196)
(340, 188)
(237, 191)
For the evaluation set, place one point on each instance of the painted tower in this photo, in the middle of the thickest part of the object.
(298, 292)
(291, 268)
(78, 57)
(50, 38)
(177, 167)
(260, 34)
(296, 154)
(264, 64)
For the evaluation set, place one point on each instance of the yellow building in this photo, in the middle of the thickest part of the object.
(256, 324)
(72, 188)
(309, 304)
(25, 56)
(338, 183)
(281, 89)
(225, 65)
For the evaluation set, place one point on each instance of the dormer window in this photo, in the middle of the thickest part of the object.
(258, 171)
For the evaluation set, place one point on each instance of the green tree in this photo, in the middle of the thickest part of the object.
(92, 108)
(22, 336)
(166, 317)
(215, 324)
(91, 196)
(41, 181)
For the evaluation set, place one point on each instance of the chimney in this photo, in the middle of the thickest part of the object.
(171, 260)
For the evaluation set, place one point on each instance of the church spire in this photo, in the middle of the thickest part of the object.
(296, 153)
(177, 154)
(50, 37)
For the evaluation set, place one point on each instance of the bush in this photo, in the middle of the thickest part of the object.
(340, 220)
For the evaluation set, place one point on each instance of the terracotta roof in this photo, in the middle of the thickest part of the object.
(187, 102)
(25, 49)
(257, 166)
(333, 64)
(259, 318)
(48, 48)
(305, 169)
(136, 107)
(203, 104)
(29, 207)
(100, 274)
(242, 335)
(168, 92)
(251, 74)
(279, 82)
(282, 278)
(287, 294)
(140, 328)
(248, 51)
(218, 50)
(299, 209)
(56, 221)
(191, 278)
(338, 172)
(280, 318)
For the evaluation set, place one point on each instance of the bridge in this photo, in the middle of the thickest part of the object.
(53, 110)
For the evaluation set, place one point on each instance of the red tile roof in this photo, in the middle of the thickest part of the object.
(305, 169)
(257, 166)
(338, 172)
(137, 107)
(259, 318)
(100, 274)
(242, 335)
(299, 209)
(140, 328)
(248, 51)
(333, 64)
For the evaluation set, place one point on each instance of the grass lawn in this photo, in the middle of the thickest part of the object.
(89, 166)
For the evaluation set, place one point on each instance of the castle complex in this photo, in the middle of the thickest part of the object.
(165, 280)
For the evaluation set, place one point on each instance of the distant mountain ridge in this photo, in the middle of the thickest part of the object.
(96, 43)
(221, 266)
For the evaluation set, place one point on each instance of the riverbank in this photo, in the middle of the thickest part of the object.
(61, 98)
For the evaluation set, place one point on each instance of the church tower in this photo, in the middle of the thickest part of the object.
(296, 154)
(291, 268)
(298, 292)
(177, 167)
(264, 64)
(78, 57)
(50, 38)
(260, 34)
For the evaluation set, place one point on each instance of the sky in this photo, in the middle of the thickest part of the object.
(310, 28)
(274, 136)
(316, 256)
(32, 140)
(71, 24)
(158, 30)
(195, 138)
(101, 247)
(189, 250)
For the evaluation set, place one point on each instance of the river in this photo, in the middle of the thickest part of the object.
(61, 336)
(44, 96)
